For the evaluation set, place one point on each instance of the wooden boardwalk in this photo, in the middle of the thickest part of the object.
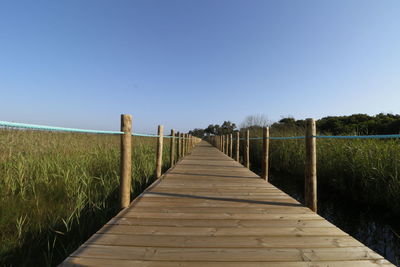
(211, 211)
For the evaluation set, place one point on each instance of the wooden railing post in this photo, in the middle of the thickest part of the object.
(223, 143)
(237, 146)
(185, 146)
(231, 145)
(227, 144)
(247, 150)
(159, 151)
(189, 137)
(181, 144)
(178, 135)
(126, 161)
(265, 157)
(310, 190)
(172, 148)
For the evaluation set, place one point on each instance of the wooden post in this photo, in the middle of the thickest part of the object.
(126, 161)
(172, 148)
(187, 144)
(265, 153)
(182, 140)
(310, 189)
(179, 145)
(223, 143)
(247, 150)
(230, 145)
(220, 143)
(159, 151)
(226, 144)
(184, 144)
(237, 146)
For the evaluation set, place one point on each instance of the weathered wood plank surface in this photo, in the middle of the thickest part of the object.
(210, 210)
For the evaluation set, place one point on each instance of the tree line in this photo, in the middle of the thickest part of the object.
(355, 124)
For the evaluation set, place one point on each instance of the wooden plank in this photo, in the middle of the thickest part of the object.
(243, 210)
(220, 223)
(217, 190)
(215, 196)
(214, 204)
(77, 261)
(224, 241)
(244, 195)
(216, 216)
(225, 254)
(223, 231)
(169, 200)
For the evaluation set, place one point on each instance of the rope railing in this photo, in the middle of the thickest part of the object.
(52, 128)
(272, 138)
(378, 136)
(17, 125)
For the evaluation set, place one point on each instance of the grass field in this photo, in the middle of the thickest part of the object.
(366, 170)
(56, 189)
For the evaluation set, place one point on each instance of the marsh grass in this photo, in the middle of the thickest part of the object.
(366, 170)
(57, 189)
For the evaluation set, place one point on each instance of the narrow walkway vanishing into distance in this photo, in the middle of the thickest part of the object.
(209, 210)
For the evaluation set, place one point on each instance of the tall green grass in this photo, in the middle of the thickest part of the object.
(57, 189)
(366, 170)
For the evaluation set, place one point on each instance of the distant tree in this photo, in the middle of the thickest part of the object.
(212, 129)
(215, 129)
(353, 124)
(227, 127)
(257, 120)
(338, 125)
(197, 132)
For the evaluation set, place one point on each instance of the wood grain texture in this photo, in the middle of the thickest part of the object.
(172, 148)
(231, 145)
(159, 150)
(209, 210)
(237, 154)
(126, 161)
(247, 150)
(265, 156)
(310, 183)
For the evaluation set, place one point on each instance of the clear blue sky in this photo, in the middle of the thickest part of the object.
(187, 64)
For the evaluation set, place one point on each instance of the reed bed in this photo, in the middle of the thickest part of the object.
(57, 189)
(365, 170)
